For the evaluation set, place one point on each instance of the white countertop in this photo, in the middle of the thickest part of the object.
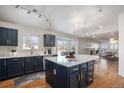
(68, 62)
(18, 56)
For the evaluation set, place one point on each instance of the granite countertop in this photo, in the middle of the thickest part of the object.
(68, 62)
(17, 56)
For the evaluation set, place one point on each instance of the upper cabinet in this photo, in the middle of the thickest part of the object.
(49, 40)
(8, 37)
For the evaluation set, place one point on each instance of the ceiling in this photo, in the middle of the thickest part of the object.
(74, 20)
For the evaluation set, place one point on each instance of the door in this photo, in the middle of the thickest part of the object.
(29, 65)
(13, 37)
(38, 63)
(83, 78)
(2, 69)
(15, 67)
(74, 80)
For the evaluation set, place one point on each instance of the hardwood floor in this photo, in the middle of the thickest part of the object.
(105, 76)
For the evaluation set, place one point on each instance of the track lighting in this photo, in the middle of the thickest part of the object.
(35, 11)
(46, 20)
(39, 15)
(17, 6)
(28, 12)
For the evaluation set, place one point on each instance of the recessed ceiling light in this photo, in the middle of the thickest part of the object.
(100, 27)
(93, 36)
(87, 34)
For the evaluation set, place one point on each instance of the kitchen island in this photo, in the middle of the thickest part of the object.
(64, 72)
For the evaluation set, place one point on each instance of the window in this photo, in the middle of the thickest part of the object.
(114, 46)
(30, 41)
(65, 45)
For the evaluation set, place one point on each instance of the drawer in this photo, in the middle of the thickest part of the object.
(74, 69)
(84, 65)
(90, 63)
(90, 79)
(91, 67)
(28, 59)
(90, 73)
(14, 59)
(39, 57)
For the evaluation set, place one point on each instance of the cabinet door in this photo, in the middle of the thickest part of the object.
(13, 37)
(15, 67)
(0, 37)
(52, 40)
(2, 70)
(61, 74)
(29, 65)
(83, 78)
(38, 63)
(4, 36)
(50, 77)
(47, 40)
(74, 80)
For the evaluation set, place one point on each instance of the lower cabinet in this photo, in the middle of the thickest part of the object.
(14, 67)
(50, 73)
(58, 76)
(74, 80)
(2, 69)
(39, 63)
(83, 78)
(29, 65)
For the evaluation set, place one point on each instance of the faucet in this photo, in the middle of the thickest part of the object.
(32, 50)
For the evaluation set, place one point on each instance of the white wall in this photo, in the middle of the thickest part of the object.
(22, 30)
(83, 45)
(121, 44)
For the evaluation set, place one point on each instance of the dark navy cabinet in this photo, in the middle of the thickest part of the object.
(79, 76)
(2, 69)
(50, 73)
(15, 67)
(8, 37)
(74, 80)
(29, 64)
(49, 40)
(39, 63)
(83, 78)
(13, 37)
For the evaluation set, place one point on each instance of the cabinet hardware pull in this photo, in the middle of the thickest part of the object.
(9, 41)
(90, 73)
(90, 79)
(75, 69)
(23, 65)
(54, 71)
(15, 59)
(4, 63)
(79, 77)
